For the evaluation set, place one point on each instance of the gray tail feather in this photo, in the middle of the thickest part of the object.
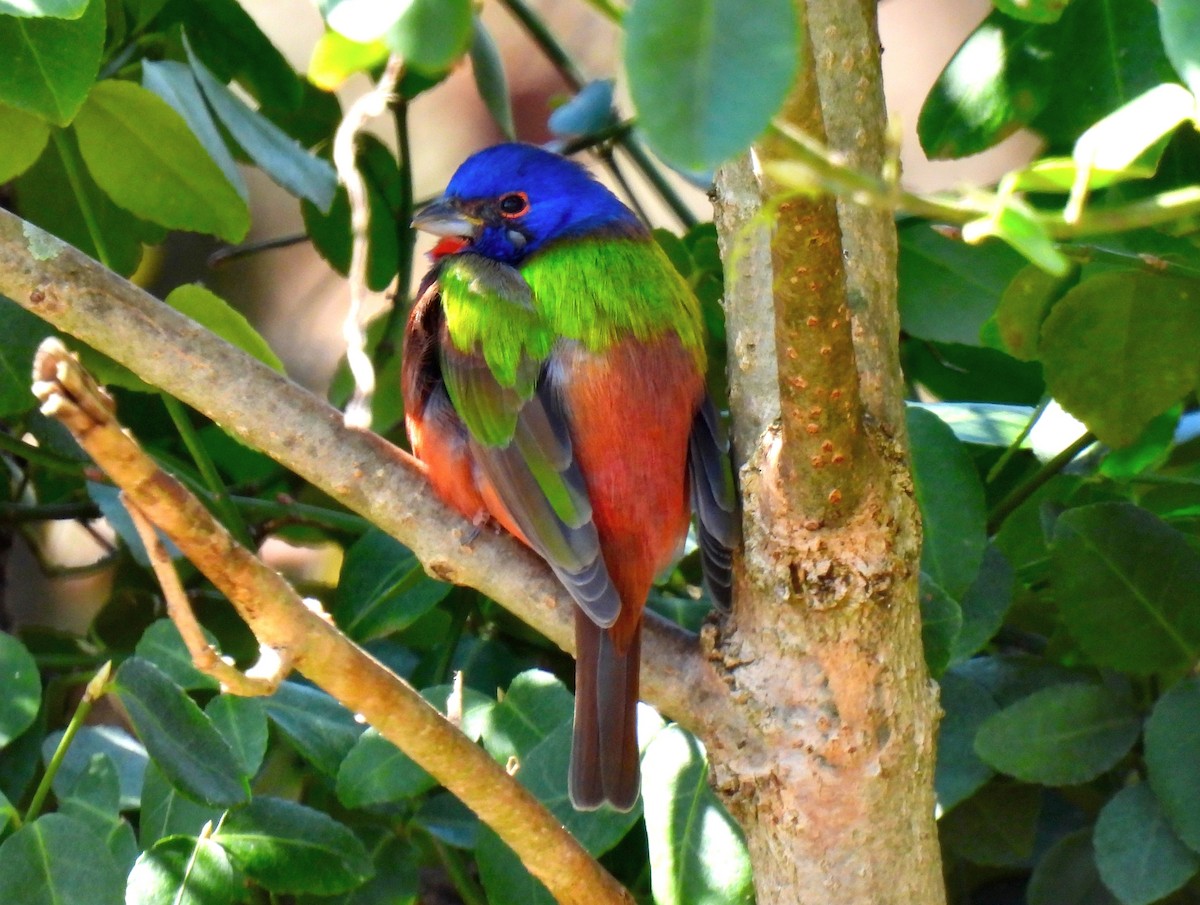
(604, 753)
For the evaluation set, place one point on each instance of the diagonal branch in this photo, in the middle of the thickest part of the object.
(359, 469)
(302, 635)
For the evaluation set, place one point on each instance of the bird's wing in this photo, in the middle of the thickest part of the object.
(493, 352)
(714, 500)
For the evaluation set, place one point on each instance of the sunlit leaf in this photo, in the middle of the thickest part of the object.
(705, 77)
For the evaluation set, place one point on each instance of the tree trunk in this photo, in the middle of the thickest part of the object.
(834, 790)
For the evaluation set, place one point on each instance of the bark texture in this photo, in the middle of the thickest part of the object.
(834, 789)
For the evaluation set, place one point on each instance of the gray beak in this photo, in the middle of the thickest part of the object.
(444, 218)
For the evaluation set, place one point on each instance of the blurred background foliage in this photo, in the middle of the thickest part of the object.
(1051, 363)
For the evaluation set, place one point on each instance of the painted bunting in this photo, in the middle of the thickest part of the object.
(553, 380)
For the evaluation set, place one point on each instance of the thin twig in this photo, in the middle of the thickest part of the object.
(1024, 491)
(262, 679)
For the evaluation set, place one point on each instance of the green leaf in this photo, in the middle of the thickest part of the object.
(125, 752)
(1172, 752)
(544, 772)
(59, 9)
(397, 876)
(1024, 305)
(941, 621)
(50, 64)
(58, 194)
(242, 722)
(996, 82)
(1087, 85)
(183, 871)
(950, 497)
(946, 288)
(1062, 735)
(144, 156)
(431, 34)
(982, 423)
(383, 588)
(22, 689)
(1130, 140)
(705, 77)
(1179, 23)
(23, 333)
(376, 771)
(213, 312)
(535, 704)
(25, 138)
(1137, 853)
(1147, 452)
(166, 812)
(504, 877)
(1017, 225)
(1067, 875)
(58, 861)
(174, 83)
(995, 826)
(1042, 11)
(447, 819)
(289, 848)
(182, 740)
(490, 80)
(231, 44)
(276, 153)
(95, 796)
(1120, 348)
(984, 605)
(8, 814)
(697, 853)
(960, 771)
(1125, 584)
(162, 645)
(321, 729)
(335, 58)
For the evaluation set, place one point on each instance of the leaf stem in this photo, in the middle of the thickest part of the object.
(70, 162)
(1023, 492)
(19, 514)
(208, 470)
(815, 167)
(94, 691)
(1013, 447)
(466, 887)
(36, 455)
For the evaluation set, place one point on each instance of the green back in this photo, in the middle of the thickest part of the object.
(595, 291)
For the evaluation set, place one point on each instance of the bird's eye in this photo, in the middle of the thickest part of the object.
(514, 204)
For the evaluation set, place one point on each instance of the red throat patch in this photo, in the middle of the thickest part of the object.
(447, 245)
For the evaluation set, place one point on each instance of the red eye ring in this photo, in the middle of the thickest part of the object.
(513, 205)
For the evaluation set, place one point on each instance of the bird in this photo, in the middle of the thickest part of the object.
(553, 378)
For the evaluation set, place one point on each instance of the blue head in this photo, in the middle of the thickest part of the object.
(509, 200)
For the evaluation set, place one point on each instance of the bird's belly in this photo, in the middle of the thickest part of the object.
(630, 409)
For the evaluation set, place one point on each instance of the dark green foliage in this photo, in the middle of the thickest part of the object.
(1059, 596)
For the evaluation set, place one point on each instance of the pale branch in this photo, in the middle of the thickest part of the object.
(303, 636)
(372, 104)
(359, 469)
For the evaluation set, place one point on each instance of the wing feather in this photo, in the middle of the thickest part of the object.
(520, 439)
(714, 500)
